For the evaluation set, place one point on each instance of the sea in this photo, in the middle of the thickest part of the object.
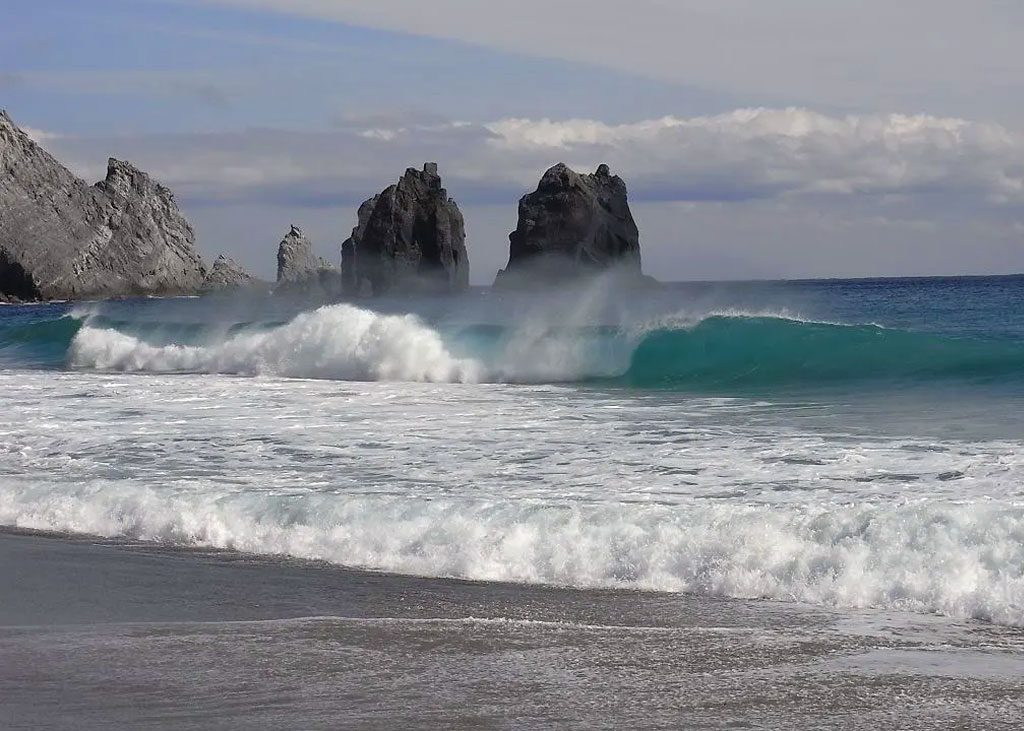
(787, 504)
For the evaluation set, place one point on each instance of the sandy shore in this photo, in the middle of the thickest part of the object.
(99, 635)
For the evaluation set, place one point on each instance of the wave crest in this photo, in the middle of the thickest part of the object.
(336, 342)
(710, 352)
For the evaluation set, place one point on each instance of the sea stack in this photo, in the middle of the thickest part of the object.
(63, 239)
(227, 274)
(573, 225)
(301, 272)
(295, 259)
(409, 238)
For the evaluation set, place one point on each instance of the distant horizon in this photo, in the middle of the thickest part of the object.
(783, 165)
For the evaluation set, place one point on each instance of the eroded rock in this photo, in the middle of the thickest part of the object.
(63, 239)
(409, 238)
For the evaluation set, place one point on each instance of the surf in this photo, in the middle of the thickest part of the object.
(710, 352)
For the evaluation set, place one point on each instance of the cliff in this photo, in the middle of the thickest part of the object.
(63, 239)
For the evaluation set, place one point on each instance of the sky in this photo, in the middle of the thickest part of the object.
(787, 139)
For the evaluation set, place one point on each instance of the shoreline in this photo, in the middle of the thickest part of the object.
(115, 634)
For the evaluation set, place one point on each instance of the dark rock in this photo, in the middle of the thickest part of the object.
(227, 274)
(409, 238)
(573, 225)
(300, 272)
(63, 239)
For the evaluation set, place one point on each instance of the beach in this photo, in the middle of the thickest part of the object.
(101, 634)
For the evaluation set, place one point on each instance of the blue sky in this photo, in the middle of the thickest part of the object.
(811, 140)
(158, 66)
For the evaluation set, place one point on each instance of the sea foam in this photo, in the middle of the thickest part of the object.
(959, 560)
(338, 342)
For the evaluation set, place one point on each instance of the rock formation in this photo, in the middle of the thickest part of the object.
(572, 225)
(301, 272)
(295, 258)
(61, 238)
(409, 238)
(227, 274)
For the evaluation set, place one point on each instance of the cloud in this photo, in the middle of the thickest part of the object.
(764, 153)
(747, 154)
(41, 136)
(949, 55)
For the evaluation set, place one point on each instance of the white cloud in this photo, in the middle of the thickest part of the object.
(40, 136)
(955, 56)
(761, 153)
(743, 155)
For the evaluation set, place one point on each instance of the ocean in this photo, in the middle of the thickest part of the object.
(825, 475)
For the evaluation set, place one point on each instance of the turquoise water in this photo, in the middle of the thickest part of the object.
(721, 338)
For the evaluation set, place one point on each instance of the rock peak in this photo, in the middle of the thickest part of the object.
(300, 272)
(572, 225)
(63, 239)
(295, 258)
(227, 274)
(409, 237)
(123, 178)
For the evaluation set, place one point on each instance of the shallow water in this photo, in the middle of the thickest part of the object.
(98, 636)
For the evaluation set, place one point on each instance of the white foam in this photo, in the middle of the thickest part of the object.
(959, 560)
(338, 342)
(343, 342)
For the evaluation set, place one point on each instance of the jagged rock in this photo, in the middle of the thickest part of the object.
(63, 239)
(295, 258)
(409, 238)
(226, 274)
(573, 225)
(301, 272)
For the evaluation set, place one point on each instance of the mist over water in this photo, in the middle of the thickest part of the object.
(847, 444)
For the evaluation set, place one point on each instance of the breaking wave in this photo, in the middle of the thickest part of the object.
(960, 560)
(713, 353)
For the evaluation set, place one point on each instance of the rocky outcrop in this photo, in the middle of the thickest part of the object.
(227, 274)
(63, 239)
(573, 225)
(409, 238)
(301, 272)
(295, 258)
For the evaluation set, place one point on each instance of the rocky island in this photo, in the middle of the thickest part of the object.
(301, 272)
(227, 274)
(409, 238)
(571, 226)
(61, 238)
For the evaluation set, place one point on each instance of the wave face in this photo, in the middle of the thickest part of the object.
(37, 342)
(747, 351)
(712, 353)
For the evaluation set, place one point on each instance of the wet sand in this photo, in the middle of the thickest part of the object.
(107, 635)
